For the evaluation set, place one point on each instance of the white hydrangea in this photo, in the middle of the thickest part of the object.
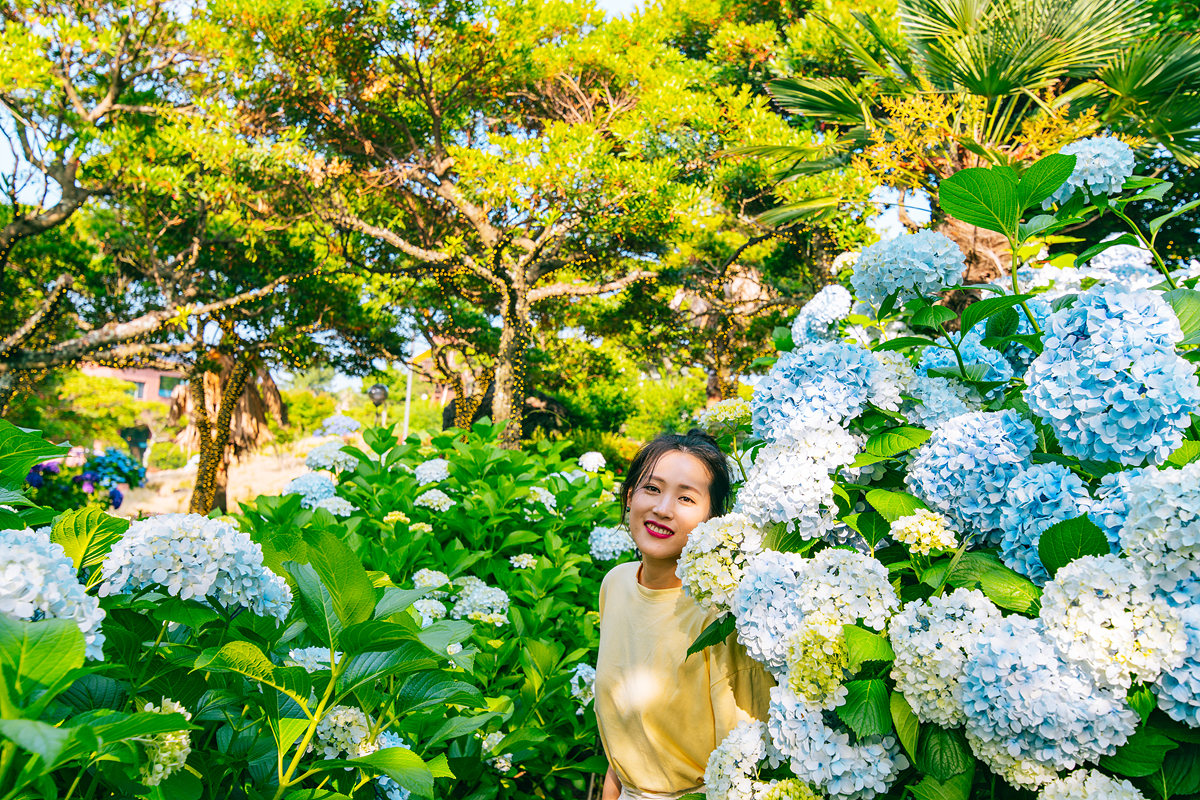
(420, 528)
(432, 471)
(583, 684)
(937, 400)
(430, 579)
(338, 506)
(479, 602)
(166, 753)
(435, 499)
(1101, 613)
(610, 543)
(1017, 771)
(388, 787)
(765, 606)
(502, 763)
(344, 732)
(732, 770)
(1163, 514)
(523, 561)
(311, 658)
(38, 580)
(930, 640)
(591, 461)
(544, 496)
(313, 487)
(1102, 165)
(1087, 784)
(924, 531)
(330, 456)
(891, 380)
(849, 586)
(726, 414)
(194, 557)
(430, 610)
(714, 558)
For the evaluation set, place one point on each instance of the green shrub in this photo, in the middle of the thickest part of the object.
(167, 455)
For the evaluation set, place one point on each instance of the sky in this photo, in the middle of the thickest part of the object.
(617, 8)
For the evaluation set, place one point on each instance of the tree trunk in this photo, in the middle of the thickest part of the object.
(213, 441)
(221, 486)
(986, 252)
(508, 403)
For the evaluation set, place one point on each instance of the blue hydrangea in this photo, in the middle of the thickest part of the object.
(1178, 689)
(1111, 506)
(1127, 264)
(914, 265)
(816, 385)
(1018, 355)
(313, 487)
(1110, 382)
(1102, 165)
(1037, 498)
(818, 319)
(765, 608)
(1020, 693)
(964, 469)
(973, 352)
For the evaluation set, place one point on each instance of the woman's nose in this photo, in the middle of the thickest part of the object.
(665, 507)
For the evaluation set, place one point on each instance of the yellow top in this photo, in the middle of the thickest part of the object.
(661, 713)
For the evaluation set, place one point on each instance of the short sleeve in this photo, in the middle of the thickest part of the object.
(741, 688)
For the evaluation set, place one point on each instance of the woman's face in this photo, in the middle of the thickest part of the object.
(668, 505)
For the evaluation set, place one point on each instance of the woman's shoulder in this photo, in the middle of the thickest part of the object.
(620, 575)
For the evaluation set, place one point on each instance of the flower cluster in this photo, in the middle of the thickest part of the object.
(523, 561)
(730, 413)
(313, 487)
(936, 401)
(435, 499)
(395, 518)
(1162, 520)
(610, 543)
(338, 506)
(818, 661)
(115, 466)
(1109, 381)
(1086, 784)
(430, 579)
(732, 771)
(848, 586)
(1038, 497)
(37, 580)
(501, 763)
(765, 608)
(818, 319)
(914, 265)
(344, 732)
(930, 638)
(815, 385)
(972, 351)
(544, 496)
(924, 531)
(1109, 508)
(1102, 165)
(312, 659)
(430, 610)
(330, 456)
(964, 469)
(432, 471)
(714, 558)
(583, 684)
(479, 602)
(1178, 688)
(166, 753)
(338, 425)
(591, 461)
(194, 557)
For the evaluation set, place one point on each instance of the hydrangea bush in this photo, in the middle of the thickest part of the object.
(967, 544)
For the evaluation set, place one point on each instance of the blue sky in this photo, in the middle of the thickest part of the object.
(617, 7)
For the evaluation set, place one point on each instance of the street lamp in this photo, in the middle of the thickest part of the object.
(378, 394)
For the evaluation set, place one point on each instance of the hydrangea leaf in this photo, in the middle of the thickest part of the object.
(1043, 178)
(246, 659)
(977, 312)
(366, 668)
(905, 342)
(863, 645)
(20, 450)
(932, 317)
(1141, 755)
(1097, 249)
(1188, 452)
(191, 613)
(87, 534)
(908, 727)
(783, 338)
(1142, 700)
(982, 197)
(1002, 324)
(1157, 223)
(981, 570)
(1065, 541)
(399, 763)
(428, 689)
(955, 788)
(893, 505)
(316, 603)
(41, 738)
(895, 441)
(1039, 224)
(942, 753)
(39, 654)
(1181, 771)
(866, 709)
(1186, 305)
(870, 524)
(343, 575)
(455, 727)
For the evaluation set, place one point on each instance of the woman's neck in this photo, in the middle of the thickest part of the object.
(657, 574)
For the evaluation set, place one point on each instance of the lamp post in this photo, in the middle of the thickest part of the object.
(378, 394)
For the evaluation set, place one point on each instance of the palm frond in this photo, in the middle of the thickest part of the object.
(834, 99)
(814, 207)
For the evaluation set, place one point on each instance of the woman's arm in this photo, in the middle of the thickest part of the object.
(612, 786)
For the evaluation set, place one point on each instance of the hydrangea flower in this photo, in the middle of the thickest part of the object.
(338, 425)
(1109, 509)
(936, 401)
(714, 558)
(891, 380)
(973, 353)
(765, 608)
(610, 543)
(430, 579)
(789, 789)
(435, 499)
(1018, 355)
(591, 461)
(313, 487)
(816, 385)
(818, 661)
(730, 413)
(924, 531)
(930, 639)
(430, 610)
(964, 469)
(1175, 578)
(396, 518)
(420, 528)
(790, 483)
(312, 659)
(732, 769)
(1017, 770)
(1101, 613)
(1087, 784)
(338, 506)
(1178, 688)
(818, 319)
(330, 456)
(432, 471)
(826, 757)
(544, 496)
(848, 586)
(38, 581)
(1102, 165)
(194, 557)
(502, 763)
(1020, 693)
(523, 561)
(386, 786)
(1038, 497)
(1163, 517)
(479, 602)
(1109, 381)
(1125, 263)
(583, 684)
(344, 732)
(166, 753)
(913, 265)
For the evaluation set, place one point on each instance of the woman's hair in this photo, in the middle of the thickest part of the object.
(695, 443)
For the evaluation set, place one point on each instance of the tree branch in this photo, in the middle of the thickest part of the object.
(31, 324)
(584, 290)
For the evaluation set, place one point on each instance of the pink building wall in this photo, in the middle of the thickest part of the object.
(149, 384)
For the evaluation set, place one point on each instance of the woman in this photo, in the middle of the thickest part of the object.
(660, 712)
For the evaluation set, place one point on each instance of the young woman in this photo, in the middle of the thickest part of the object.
(660, 712)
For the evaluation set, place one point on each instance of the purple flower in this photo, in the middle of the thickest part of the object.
(115, 497)
(50, 467)
(34, 478)
(87, 481)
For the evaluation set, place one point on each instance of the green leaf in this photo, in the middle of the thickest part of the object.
(1157, 223)
(933, 317)
(903, 342)
(1142, 755)
(40, 738)
(895, 441)
(1042, 179)
(870, 525)
(191, 613)
(1185, 454)
(396, 600)
(39, 654)
(893, 505)
(955, 788)
(455, 727)
(376, 635)
(1003, 324)
(343, 575)
(1003, 586)
(20, 450)
(1097, 249)
(316, 603)
(717, 631)
(1186, 304)
(908, 727)
(863, 645)
(942, 753)
(401, 765)
(87, 534)
(1065, 541)
(866, 708)
(366, 668)
(1039, 224)
(1142, 700)
(783, 339)
(982, 197)
(1181, 771)
(975, 313)
(246, 659)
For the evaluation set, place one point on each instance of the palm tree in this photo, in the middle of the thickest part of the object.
(983, 82)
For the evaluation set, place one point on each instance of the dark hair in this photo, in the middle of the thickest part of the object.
(695, 443)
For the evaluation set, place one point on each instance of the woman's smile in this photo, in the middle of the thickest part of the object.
(658, 530)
